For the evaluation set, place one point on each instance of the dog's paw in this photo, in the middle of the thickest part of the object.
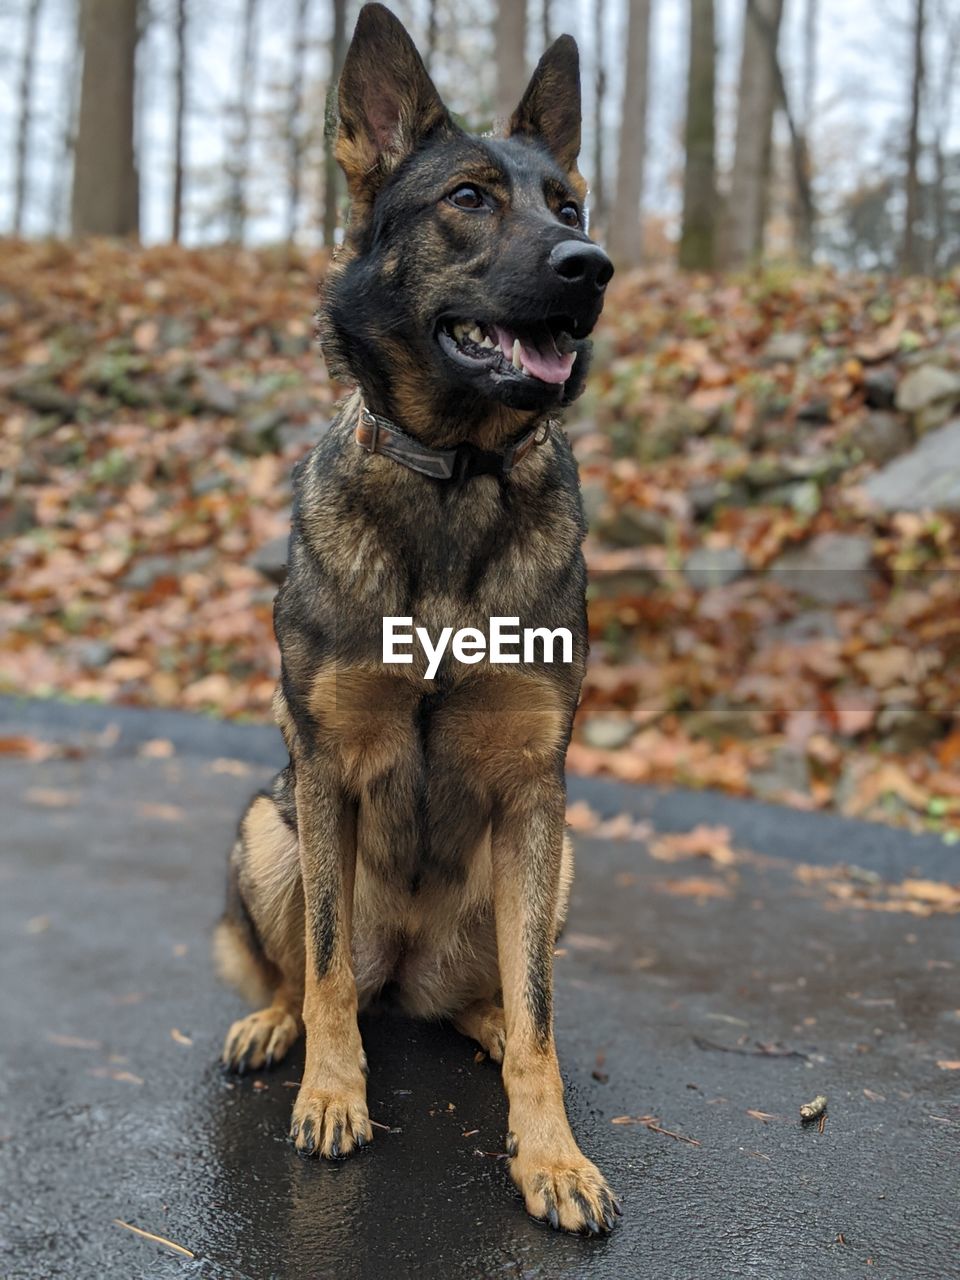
(568, 1192)
(331, 1124)
(259, 1040)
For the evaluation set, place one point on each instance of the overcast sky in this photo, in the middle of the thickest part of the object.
(862, 75)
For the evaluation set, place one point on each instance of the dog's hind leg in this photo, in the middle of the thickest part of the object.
(483, 1021)
(258, 945)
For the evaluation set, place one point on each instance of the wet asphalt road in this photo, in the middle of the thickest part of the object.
(113, 1107)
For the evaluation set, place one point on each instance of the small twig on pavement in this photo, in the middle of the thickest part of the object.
(761, 1051)
(653, 1124)
(149, 1235)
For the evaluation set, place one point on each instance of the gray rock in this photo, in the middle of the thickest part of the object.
(822, 467)
(271, 559)
(811, 624)
(144, 572)
(714, 567)
(631, 525)
(788, 347)
(816, 409)
(176, 332)
(880, 386)
(707, 495)
(788, 770)
(803, 497)
(926, 478)
(668, 434)
(94, 653)
(259, 433)
(907, 728)
(46, 397)
(216, 396)
(925, 386)
(882, 436)
(608, 732)
(594, 496)
(720, 722)
(933, 416)
(833, 568)
(765, 473)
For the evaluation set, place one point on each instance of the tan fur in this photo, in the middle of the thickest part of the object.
(367, 717)
(236, 965)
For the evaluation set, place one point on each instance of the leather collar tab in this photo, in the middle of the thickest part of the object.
(380, 435)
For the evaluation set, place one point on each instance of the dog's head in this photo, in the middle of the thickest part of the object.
(467, 287)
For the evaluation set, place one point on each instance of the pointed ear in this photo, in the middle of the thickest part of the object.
(387, 102)
(550, 109)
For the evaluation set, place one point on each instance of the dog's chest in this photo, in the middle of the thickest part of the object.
(427, 764)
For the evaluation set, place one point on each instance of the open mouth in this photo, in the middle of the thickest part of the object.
(538, 353)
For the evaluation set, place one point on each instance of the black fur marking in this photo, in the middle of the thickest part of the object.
(323, 918)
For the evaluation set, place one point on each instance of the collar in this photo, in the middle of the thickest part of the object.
(380, 435)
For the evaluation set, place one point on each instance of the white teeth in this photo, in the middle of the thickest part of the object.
(458, 331)
(517, 364)
(486, 341)
(476, 334)
(574, 360)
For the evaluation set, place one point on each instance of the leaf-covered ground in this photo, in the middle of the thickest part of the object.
(756, 625)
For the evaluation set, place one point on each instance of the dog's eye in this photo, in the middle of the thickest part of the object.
(467, 198)
(570, 215)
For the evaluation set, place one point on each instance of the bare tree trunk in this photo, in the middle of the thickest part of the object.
(331, 171)
(179, 116)
(697, 241)
(545, 20)
(294, 130)
(910, 254)
(25, 112)
(240, 161)
(747, 199)
(805, 210)
(511, 44)
(625, 238)
(941, 99)
(598, 194)
(106, 194)
(433, 31)
(810, 21)
(67, 141)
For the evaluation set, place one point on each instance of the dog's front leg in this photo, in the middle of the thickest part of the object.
(557, 1181)
(330, 1115)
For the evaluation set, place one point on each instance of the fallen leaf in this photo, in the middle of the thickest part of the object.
(580, 817)
(234, 768)
(703, 841)
(694, 887)
(162, 812)
(51, 797)
(72, 1042)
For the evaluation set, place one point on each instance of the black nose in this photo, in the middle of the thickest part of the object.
(580, 262)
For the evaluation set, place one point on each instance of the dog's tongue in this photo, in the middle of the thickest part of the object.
(548, 365)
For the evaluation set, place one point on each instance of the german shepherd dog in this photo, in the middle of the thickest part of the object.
(414, 845)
